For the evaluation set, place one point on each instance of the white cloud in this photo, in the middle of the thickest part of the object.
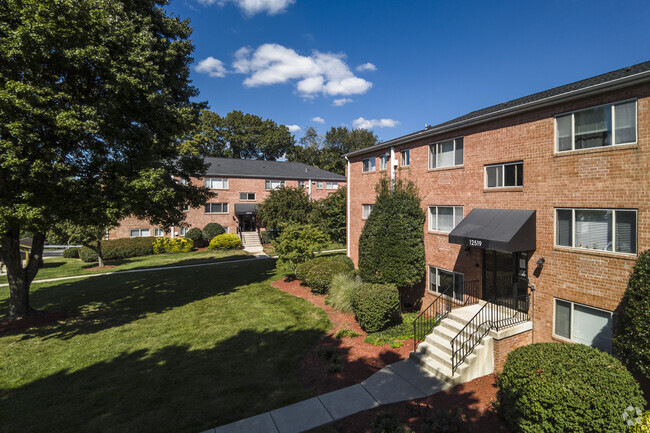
(366, 67)
(362, 123)
(340, 102)
(324, 73)
(211, 66)
(252, 7)
(318, 119)
(293, 128)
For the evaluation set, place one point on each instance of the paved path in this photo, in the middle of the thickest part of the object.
(403, 380)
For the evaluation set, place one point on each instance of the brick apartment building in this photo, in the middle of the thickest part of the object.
(239, 185)
(550, 190)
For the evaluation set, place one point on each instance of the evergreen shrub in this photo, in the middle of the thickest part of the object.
(297, 244)
(175, 245)
(211, 230)
(320, 275)
(71, 253)
(196, 235)
(120, 249)
(226, 241)
(376, 306)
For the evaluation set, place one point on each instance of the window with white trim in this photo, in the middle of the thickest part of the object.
(158, 233)
(301, 184)
(383, 161)
(331, 185)
(504, 175)
(583, 324)
(405, 157)
(448, 153)
(319, 185)
(183, 181)
(183, 230)
(216, 183)
(365, 210)
(604, 125)
(444, 218)
(247, 196)
(597, 229)
(273, 184)
(441, 280)
(216, 208)
(368, 164)
(139, 233)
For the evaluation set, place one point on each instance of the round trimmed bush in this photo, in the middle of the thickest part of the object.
(196, 236)
(71, 253)
(376, 306)
(211, 230)
(344, 259)
(551, 387)
(226, 241)
(303, 269)
(320, 275)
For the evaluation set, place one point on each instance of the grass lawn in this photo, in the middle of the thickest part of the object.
(60, 267)
(171, 350)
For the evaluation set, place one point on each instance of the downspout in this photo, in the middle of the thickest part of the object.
(347, 220)
(393, 164)
(309, 186)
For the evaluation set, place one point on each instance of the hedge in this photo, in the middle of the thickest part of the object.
(71, 253)
(226, 241)
(211, 230)
(551, 387)
(321, 274)
(175, 245)
(376, 306)
(120, 249)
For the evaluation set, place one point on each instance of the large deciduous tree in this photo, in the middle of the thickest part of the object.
(284, 206)
(94, 98)
(330, 214)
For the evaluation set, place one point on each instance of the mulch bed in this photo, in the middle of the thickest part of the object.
(96, 268)
(361, 360)
(39, 318)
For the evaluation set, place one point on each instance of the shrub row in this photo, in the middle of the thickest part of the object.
(376, 306)
(319, 272)
(226, 241)
(120, 249)
(175, 245)
(71, 253)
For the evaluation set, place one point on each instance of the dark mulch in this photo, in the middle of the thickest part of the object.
(38, 318)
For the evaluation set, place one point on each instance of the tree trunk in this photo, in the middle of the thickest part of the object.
(100, 257)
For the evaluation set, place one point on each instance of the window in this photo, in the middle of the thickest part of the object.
(140, 233)
(301, 184)
(444, 218)
(504, 175)
(273, 184)
(366, 209)
(441, 280)
(405, 159)
(583, 324)
(216, 208)
(183, 181)
(319, 185)
(158, 233)
(369, 164)
(383, 161)
(184, 230)
(596, 127)
(331, 185)
(447, 153)
(599, 229)
(215, 183)
(247, 196)
(185, 207)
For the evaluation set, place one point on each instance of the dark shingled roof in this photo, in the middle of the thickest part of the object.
(228, 167)
(557, 92)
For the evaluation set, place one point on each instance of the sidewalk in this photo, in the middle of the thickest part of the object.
(403, 380)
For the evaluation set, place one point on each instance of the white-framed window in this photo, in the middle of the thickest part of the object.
(441, 280)
(183, 230)
(216, 208)
(583, 324)
(383, 161)
(504, 175)
(273, 184)
(448, 153)
(216, 183)
(603, 125)
(368, 164)
(139, 233)
(158, 233)
(226, 229)
(247, 196)
(405, 157)
(331, 185)
(597, 229)
(319, 185)
(183, 181)
(301, 184)
(365, 210)
(444, 218)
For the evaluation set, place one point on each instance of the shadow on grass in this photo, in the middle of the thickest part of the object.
(95, 304)
(186, 262)
(169, 390)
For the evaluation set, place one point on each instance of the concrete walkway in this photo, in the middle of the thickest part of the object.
(403, 380)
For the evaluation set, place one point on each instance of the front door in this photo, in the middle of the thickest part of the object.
(505, 275)
(247, 223)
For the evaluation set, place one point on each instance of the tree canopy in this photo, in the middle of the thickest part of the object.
(330, 214)
(284, 206)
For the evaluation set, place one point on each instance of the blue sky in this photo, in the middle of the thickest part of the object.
(394, 66)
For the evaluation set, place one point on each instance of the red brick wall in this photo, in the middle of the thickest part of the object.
(196, 217)
(507, 345)
(608, 177)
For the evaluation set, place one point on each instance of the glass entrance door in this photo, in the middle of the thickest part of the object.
(505, 275)
(247, 223)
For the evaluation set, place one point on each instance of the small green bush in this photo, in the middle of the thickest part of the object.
(296, 245)
(447, 421)
(71, 253)
(343, 259)
(211, 230)
(642, 426)
(387, 422)
(320, 275)
(333, 357)
(376, 306)
(303, 268)
(341, 291)
(346, 333)
(551, 387)
(175, 245)
(226, 241)
(120, 249)
(196, 235)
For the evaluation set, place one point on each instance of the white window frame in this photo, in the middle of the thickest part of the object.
(331, 185)
(613, 114)
(571, 321)
(405, 157)
(383, 161)
(368, 206)
(158, 233)
(216, 183)
(433, 154)
(271, 184)
(183, 231)
(223, 206)
(319, 185)
(301, 184)
(183, 181)
(437, 283)
(371, 167)
(247, 196)
(140, 233)
(434, 218)
(573, 231)
(503, 175)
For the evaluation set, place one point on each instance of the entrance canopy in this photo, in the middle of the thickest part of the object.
(509, 230)
(245, 209)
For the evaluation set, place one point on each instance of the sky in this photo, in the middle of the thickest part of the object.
(394, 66)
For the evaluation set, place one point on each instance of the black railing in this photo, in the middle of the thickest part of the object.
(498, 313)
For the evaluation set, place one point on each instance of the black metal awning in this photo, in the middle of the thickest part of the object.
(245, 208)
(509, 230)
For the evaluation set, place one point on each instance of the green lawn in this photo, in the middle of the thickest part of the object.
(60, 267)
(171, 350)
